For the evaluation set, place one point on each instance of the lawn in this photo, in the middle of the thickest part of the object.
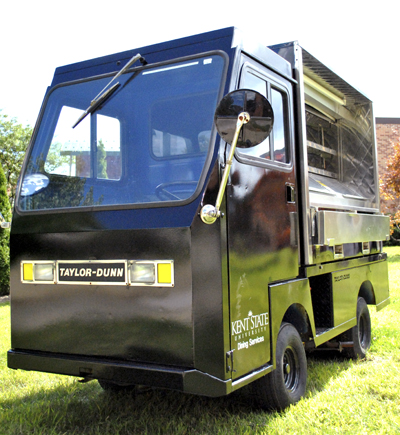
(343, 397)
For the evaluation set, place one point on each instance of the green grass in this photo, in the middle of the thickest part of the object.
(343, 397)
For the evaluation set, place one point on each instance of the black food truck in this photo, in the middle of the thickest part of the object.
(197, 215)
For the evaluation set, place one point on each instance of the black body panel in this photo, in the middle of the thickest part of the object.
(136, 323)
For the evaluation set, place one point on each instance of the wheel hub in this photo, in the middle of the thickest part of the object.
(290, 369)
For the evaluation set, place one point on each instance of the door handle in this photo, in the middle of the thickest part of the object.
(290, 193)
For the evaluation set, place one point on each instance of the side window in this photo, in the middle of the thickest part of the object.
(276, 146)
(71, 154)
(322, 144)
(253, 81)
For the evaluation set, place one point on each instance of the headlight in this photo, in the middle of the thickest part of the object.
(143, 273)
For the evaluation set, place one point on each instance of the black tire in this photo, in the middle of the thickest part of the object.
(287, 383)
(112, 387)
(360, 334)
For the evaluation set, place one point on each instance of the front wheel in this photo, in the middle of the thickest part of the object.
(287, 383)
(360, 334)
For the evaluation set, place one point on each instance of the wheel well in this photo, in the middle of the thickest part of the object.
(367, 292)
(298, 317)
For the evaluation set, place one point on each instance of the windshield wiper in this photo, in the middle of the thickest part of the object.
(105, 93)
(96, 103)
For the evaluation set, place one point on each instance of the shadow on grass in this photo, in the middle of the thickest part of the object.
(74, 408)
(393, 253)
(324, 366)
(393, 258)
(86, 409)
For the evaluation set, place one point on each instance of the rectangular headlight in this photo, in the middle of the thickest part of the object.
(143, 273)
(43, 272)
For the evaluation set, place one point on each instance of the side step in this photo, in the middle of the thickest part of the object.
(325, 335)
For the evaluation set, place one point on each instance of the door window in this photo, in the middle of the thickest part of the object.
(276, 147)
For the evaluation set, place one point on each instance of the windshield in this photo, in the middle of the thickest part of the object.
(148, 143)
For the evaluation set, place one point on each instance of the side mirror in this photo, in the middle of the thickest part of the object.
(256, 106)
(243, 118)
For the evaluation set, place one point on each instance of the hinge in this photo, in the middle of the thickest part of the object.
(229, 361)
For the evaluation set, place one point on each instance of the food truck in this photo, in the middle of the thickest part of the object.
(197, 215)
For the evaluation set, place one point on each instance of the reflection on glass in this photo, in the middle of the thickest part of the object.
(69, 150)
(108, 148)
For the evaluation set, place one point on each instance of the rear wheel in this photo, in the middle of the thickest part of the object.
(360, 334)
(287, 383)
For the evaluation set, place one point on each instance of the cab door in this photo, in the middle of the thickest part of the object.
(261, 223)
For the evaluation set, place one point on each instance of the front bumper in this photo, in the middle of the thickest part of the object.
(124, 372)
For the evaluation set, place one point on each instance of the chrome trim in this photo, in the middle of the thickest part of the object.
(337, 228)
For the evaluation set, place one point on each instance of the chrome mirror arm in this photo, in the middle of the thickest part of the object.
(209, 213)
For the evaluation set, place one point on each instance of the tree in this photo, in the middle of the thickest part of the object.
(101, 160)
(14, 139)
(4, 237)
(55, 161)
(390, 188)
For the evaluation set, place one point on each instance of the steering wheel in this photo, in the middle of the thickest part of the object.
(162, 189)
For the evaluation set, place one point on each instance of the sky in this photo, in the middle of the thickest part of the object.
(357, 39)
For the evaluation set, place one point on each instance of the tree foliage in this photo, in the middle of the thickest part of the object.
(14, 139)
(4, 237)
(390, 187)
